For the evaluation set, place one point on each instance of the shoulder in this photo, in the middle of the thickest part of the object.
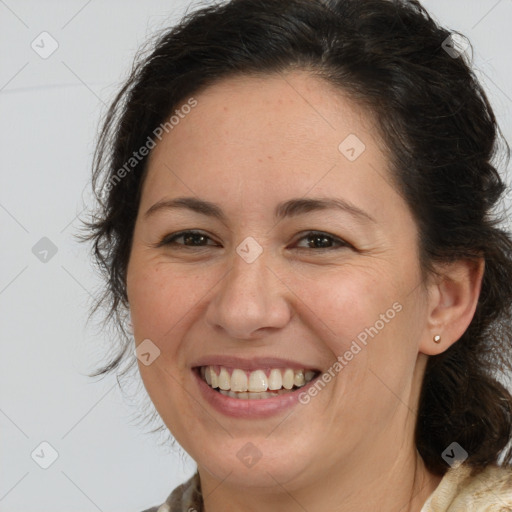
(185, 498)
(459, 490)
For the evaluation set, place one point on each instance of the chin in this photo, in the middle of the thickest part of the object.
(252, 464)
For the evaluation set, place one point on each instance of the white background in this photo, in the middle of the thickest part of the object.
(49, 114)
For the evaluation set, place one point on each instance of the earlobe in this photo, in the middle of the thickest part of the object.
(453, 299)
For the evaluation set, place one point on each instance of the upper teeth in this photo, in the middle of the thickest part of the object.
(255, 381)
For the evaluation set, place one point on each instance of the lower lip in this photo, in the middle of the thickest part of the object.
(247, 408)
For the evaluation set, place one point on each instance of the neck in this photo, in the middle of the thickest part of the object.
(404, 488)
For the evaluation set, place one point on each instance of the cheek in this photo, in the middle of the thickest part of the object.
(369, 322)
(345, 301)
(338, 304)
(161, 297)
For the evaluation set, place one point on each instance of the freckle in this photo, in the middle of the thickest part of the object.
(269, 157)
(260, 160)
(225, 108)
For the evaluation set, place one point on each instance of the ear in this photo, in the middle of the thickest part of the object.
(452, 299)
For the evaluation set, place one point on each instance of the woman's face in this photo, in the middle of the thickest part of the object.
(261, 301)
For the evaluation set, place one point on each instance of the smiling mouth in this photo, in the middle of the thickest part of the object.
(257, 384)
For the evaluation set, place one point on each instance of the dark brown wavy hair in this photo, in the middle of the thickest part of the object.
(442, 138)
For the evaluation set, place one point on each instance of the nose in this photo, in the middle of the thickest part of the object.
(250, 301)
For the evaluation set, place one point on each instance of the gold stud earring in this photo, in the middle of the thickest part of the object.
(437, 338)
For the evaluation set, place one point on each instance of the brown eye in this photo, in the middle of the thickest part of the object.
(190, 239)
(196, 239)
(320, 240)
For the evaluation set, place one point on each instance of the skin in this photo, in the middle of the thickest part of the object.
(249, 144)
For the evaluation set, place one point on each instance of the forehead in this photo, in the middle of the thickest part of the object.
(276, 110)
(269, 134)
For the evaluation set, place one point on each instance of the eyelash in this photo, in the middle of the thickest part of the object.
(171, 240)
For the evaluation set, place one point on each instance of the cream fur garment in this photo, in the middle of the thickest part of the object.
(489, 491)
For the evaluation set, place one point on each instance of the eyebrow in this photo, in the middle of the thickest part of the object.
(290, 208)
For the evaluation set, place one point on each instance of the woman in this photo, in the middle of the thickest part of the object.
(295, 211)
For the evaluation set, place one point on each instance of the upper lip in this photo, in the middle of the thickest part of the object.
(254, 363)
